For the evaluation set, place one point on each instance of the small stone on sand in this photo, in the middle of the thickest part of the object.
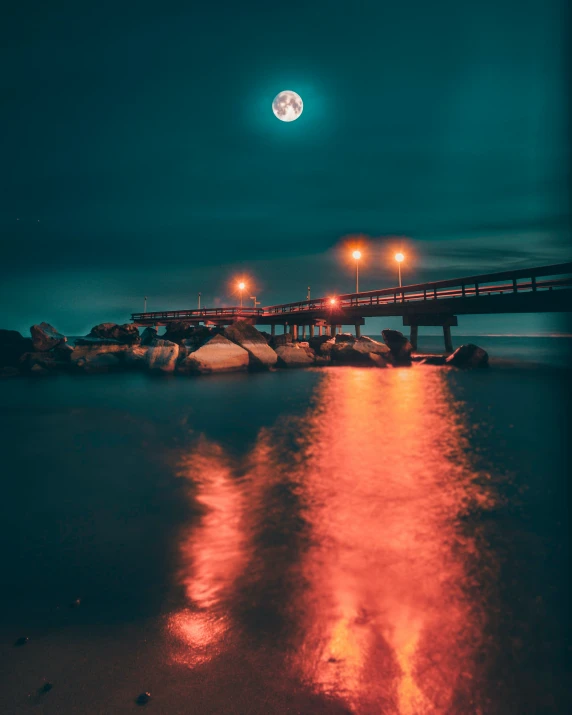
(143, 698)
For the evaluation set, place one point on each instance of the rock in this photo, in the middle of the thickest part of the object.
(266, 336)
(219, 354)
(12, 346)
(126, 334)
(360, 351)
(178, 331)
(160, 356)
(48, 361)
(469, 355)
(39, 370)
(261, 355)
(294, 356)
(63, 352)
(317, 342)
(22, 640)
(398, 344)
(197, 337)
(99, 362)
(45, 337)
(98, 354)
(344, 338)
(143, 698)
(148, 335)
(284, 339)
(431, 359)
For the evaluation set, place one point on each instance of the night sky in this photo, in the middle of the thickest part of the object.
(140, 155)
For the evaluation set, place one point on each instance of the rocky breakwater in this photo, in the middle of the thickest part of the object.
(185, 350)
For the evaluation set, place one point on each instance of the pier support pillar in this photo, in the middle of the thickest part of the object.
(358, 331)
(273, 330)
(311, 331)
(285, 328)
(303, 332)
(339, 329)
(291, 330)
(413, 336)
(295, 333)
(320, 330)
(448, 340)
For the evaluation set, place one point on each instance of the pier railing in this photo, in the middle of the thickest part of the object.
(197, 314)
(515, 281)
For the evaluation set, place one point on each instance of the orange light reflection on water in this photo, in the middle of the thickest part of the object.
(212, 553)
(383, 614)
(387, 478)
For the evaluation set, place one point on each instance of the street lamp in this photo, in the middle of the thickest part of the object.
(199, 301)
(241, 287)
(399, 257)
(357, 255)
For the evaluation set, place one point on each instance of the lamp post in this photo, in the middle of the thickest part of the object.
(256, 302)
(145, 304)
(308, 294)
(241, 287)
(199, 301)
(357, 255)
(399, 257)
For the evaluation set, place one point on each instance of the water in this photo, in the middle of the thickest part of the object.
(331, 540)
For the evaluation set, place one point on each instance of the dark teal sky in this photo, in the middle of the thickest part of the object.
(140, 154)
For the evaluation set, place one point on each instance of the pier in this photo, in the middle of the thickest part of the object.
(544, 289)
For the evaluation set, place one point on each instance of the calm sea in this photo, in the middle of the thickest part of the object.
(317, 541)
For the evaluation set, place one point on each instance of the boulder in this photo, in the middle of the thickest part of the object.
(160, 357)
(93, 355)
(127, 334)
(49, 361)
(266, 336)
(198, 336)
(63, 352)
(148, 336)
(261, 356)
(469, 355)
(398, 344)
(317, 342)
(99, 362)
(431, 359)
(219, 354)
(344, 338)
(295, 356)
(12, 346)
(45, 337)
(178, 331)
(284, 339)
(360, 351)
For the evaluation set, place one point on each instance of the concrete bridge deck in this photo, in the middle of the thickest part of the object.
(544, 289)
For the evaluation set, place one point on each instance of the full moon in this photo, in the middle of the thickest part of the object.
(287, 106)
